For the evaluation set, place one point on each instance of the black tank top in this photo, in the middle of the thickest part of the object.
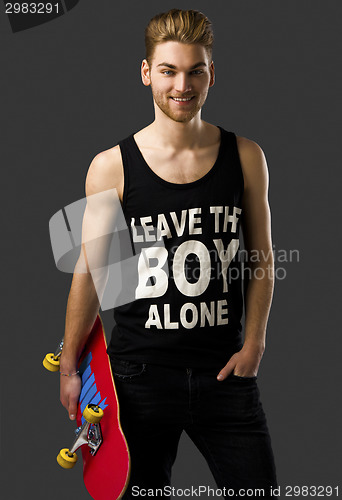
(188, 305)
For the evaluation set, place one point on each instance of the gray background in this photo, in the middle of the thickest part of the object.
(71, 88)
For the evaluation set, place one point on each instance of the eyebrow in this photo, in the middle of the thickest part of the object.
(171, 66)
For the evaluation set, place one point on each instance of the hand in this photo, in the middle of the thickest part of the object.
(70, 389)
(244, 363)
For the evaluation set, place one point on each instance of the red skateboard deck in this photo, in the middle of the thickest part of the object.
(105, 474)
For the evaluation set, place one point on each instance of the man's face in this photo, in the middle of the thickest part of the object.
(180, 76)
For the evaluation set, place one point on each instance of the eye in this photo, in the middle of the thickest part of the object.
(197, 72)
(167, 72)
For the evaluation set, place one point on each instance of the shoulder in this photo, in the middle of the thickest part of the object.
(247, 147)
(105, 172)
(253, 162)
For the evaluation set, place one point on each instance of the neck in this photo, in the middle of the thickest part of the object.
(171, 134)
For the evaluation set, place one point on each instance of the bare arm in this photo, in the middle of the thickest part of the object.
(105, 174)
(256, 226)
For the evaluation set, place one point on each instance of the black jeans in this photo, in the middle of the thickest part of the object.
(225, 420)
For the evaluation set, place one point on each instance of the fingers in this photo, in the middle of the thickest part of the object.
(242, 364)
(69, 394)
(72, 409)
(70, 404)
(227, 370)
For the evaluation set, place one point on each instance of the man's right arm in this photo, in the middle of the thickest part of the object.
(105, 180)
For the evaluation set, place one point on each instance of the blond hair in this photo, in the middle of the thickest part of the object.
(186, 26)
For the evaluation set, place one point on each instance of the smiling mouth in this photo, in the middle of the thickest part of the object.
(182, 99)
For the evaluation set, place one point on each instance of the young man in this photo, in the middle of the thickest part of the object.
(177, 355)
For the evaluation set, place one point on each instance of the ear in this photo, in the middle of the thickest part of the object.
(212, 74)
(145, 73)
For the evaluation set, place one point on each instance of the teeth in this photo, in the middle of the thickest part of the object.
(180, 99)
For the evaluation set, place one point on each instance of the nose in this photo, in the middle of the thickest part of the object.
(182, 83)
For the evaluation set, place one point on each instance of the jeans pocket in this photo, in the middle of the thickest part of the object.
(123, 369)
(238, 377)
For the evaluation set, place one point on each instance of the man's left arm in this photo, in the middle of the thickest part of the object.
(256, 227)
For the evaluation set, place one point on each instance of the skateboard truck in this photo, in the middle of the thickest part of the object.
(89, 433)
(51, 360)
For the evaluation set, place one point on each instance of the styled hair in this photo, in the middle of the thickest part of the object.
(186, 26)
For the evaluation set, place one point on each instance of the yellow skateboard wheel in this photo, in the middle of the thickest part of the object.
(66, 460)
(51, 363)
(93, 414)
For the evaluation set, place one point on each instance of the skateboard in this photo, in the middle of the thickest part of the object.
(106, 461)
